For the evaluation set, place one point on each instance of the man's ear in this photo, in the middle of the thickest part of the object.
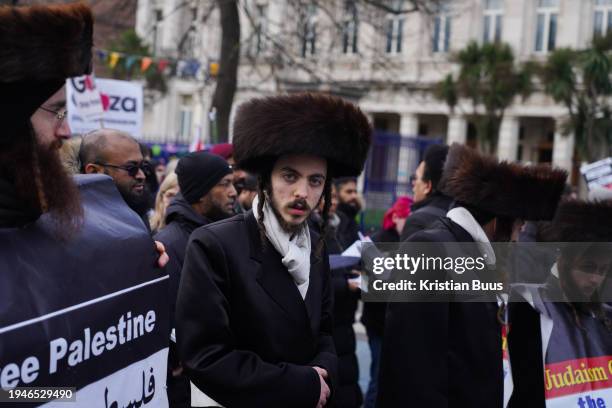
(91, 168)
(429, 187)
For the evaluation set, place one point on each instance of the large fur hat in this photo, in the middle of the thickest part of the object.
(40, 46)
(581, 221)
(504, 189)
(304, 123)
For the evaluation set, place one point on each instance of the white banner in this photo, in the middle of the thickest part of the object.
(121, 103)
(85, 97)
(598, 174)
(143, 382)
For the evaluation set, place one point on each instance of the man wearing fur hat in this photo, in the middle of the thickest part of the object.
(33, 111)
(567, 321)
(450, 354)
(69, 281)
(254, 311)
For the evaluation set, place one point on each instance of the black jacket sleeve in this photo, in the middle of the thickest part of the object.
(326, 351)
(234, 377)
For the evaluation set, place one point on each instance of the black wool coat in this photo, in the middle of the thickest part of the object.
(348, 230)
(348, 394)
(245, 335)
(441, 354)
(373, 316)
(525, 347)
(424, 213)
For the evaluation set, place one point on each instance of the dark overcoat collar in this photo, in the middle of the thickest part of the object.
(274, 278)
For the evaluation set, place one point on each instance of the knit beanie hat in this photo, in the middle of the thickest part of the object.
(198, 173)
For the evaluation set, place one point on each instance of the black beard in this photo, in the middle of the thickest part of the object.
(43, 183)
(214, 211)
(287, 227)
(217, 214)
(139, 203)
(350, 209)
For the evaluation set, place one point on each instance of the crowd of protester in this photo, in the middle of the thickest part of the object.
(247, 307)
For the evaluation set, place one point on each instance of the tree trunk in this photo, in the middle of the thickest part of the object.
(228, 68)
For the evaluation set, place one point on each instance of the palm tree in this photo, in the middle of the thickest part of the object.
(490, 80)
(580, 80)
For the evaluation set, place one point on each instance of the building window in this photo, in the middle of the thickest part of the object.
(309, 31)
(395, 27)
(186, 117)
(493, 21)
(187, 47)
(188, 43)
(602, 19)
(546, 25)
(157, 30)
(260, 29)
(441, 33)
(350, 28)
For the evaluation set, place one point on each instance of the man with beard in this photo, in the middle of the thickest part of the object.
(449, 354)
(246, 187)
(206, 195)
(117, 154)
(254, 310)
(32, 178)
(65, 278)
(349, 205)
(566, 321)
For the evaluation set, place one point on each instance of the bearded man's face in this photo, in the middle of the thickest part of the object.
(297, 183)
(33, 163)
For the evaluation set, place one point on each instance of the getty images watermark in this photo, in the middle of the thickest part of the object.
(481, 272)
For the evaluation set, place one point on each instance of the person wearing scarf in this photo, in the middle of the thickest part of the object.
(254, 310)
(442, 354)
(564, 325)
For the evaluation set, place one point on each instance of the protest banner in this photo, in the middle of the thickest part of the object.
(121, 104)
(89, 313)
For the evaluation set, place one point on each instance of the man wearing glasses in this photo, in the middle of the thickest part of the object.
(117, 154)
(77, 266)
